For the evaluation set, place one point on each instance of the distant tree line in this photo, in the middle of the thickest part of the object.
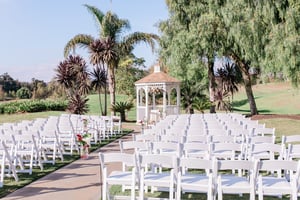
(11, 89)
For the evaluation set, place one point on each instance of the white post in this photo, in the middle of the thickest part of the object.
(138, 97)
(147, 104)
(164, 101)
(178, 99)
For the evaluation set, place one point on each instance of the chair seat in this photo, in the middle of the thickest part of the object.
(194, 182)
(277, 184)
(161, 179)
(120, 177)
(235, 183)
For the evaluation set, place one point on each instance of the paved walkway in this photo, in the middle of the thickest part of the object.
(79, 180)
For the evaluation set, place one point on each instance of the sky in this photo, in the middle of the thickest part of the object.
(33, 33)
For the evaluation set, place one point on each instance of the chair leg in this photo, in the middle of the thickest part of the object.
(104, 184)
(220, 195)
(133, 186)
(141, 195)
(171, 193)
(178, 193)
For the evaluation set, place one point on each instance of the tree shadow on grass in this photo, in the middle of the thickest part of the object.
(239, 103)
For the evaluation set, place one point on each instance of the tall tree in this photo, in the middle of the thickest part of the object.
(252, 33)
(191, 37)
(283, 48)
(110, 27)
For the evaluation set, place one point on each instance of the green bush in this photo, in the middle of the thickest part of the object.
(23, 93)
(57, 105)
(32, 106)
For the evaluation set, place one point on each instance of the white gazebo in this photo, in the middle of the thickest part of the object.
(154, 94)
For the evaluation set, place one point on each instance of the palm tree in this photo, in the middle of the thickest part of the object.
(227, 78)
(98, 82)
(115, 47)
(72, 74)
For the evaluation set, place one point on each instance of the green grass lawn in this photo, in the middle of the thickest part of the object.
(271, 98)
(94, 107)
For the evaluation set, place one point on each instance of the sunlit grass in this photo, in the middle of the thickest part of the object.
(271, 98)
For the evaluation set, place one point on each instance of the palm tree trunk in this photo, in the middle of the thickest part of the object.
(212, 86)
(112, 86)
(100, 104)
(247, 82)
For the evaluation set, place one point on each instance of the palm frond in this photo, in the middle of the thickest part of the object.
(130, 40)
(97, 14)
(99, 77)
(80, 40)
(96, 49)
(78, 104)
(112, 26)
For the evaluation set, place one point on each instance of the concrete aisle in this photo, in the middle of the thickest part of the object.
(79, 180)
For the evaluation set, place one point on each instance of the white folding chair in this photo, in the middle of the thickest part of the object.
(122, 177)
(7, 166)
(197, 138)
(166, 148)
(160, 180)
(263, 131)
(283, 183)
(172, 138)
(222, 139)
(230, 182)
(50, 146)
(197, 150)
(116, 125)
(267, 151)
(195, 182)
(288, 139)
(261, 139)
(136, 147)
(228, 150)
(26, 153)
(293, 152)
(145, 137)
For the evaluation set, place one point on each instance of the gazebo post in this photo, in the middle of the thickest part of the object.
(178, 99)
(147, 104)
(138, 102)
(164, 101)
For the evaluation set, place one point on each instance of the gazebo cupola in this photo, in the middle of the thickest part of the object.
(158, 95)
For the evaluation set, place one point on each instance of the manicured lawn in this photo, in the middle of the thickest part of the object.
(271, 98)
(94, 108)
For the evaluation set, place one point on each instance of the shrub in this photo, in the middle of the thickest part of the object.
(23, 93)
(32, 106)
(121, 107)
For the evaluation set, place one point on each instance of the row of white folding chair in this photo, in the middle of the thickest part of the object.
(141, 147)
(198, 150)
(26, 153)
(231, 150)
(226, 147)
(143, 174)
(217, 178)
(47, 142)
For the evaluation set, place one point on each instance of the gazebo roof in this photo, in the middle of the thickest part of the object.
(157, 77)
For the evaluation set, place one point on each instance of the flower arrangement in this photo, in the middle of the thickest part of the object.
(140, 122)
(84, 141)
